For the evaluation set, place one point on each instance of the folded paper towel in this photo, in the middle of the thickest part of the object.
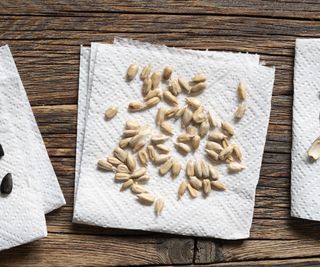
(226, 214)
(305, 181)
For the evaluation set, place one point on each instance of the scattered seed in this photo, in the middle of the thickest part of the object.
(143, 179)
(170, 98)
(160, 115)
(240, 111)
(237, 152)
(114, 161)
(163, 148)
(199, 78)
(198, 88)
(192, 191)
(132, 125)
(212, 154)
(145, 72)
(227, 127)
(214, 146)
(180, 112)
(190, 168)
(153, 93)
(156, 79)
(6, 184)
(167, 71)
(242, 92)
(314, 150)
(132, 71)
(191, 130)
(235, 166)
(105, 165)
(213, 122)
(182, 148)
(193, 102)
(205, 169)
(199, 116)
(123, 168)
(187, 117)
(124, 142)
(146, 198)
(136, 106)
(195, 142)
(158, 206)
(184, 137)
(184, 85)
(216, 136)
(225, 143)
(143, 157)
(131, 162)
(218, 185)
(204, 128)
(198, 169)
(139, 146)
(159, 139)
(174, 88)
(195, 182)
(152, 102)
(206, 186)
(126, 185)
(138, 172)
(225, 153)
(171, 112)
(134, 140)
(138, 189)
(122, 177)
(120, 154)
(176, 168)
(151, 152)
(130, 133)
(214, 175)
(165, 167)
(146, 86)
(111, 112)
(160, 159)
(182, 188)
(166, 128)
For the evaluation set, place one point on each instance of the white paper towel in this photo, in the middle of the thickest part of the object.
(305, 180)
(225, 215)
(15, 102)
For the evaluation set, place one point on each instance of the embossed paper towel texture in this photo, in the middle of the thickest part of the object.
(226, 214)
(305, 181)
(15, 102)
(22, 218)
(87, 61)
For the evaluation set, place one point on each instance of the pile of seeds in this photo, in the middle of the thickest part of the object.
(140, 146)
(6, 183)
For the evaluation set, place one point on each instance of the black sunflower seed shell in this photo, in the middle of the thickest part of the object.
(6, 184)
(1, 151)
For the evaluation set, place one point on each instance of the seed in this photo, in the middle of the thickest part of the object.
(218, 185)
(214, 175)
(114, 161)
(193, 102)
(145, 72)
(6, 184)
(314, 150)
(132, 71)
(187, 117)
(198, 88)
(110, 112)
(122, 177)
(124, 142)
(182, 148)
(198, 169)
(143, 157)
(205, 169)
(199, 116)
(214, 146)
(170, 98)
(225, 143)
(195, 182)
(132, 125)
(235, 166)
(143, 179)
(152, 102)
(184, 85)
(123, 168)
(153, 93)
(159, 139)
(131, 162)
(184, 137)
(172, 112)
(182, 189)
(240, 111)
(212, 154)
(174, 88)
(120, 154)
(176, 168)
(166, 128)
(138, 172)
(242, 92)
(1, 151)
(165, 167)
(126, 185)
(206, 186)
(226, 152)
(216, 136)
(158, 206)
(192, 191)
(160, 159)
(195, 143)
(134, 140)
(138, 189)
(227, 127)
(139, 146)
(190, 168)
(135, 106)
(146, 198)
(160, 115)
(146, 86)
(213, 122)
(237, 152)
(155, 78)
(105, 165)
(163, 148)
(130, 133)
(151, 152)
(199, 78)
(167, 71)
(204, 128)
(191, 130)
(180, 112)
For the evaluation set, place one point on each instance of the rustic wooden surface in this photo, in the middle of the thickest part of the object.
(44, 37)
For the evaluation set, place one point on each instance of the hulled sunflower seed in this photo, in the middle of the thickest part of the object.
(146, 198)
(163, 148)
(167, 71)
(172, 112)
(174, 88)
(225, 153)
(122, 177)
(105, 165)
(198, 88)
(225, 143)
(237, 152)
(182, 148)
(204, 128)
(214, 175)
(111, 112)
(182, 189)
(145, 72)
(143, 157)
(132, 125)
(143, 179)
(160, 159)
(213, 122)
(153, 93)
(136, 106)
(180, 112)
(156, 79)
(126, 185)
(235, 166)
(184, 85)
(152, 102)
(199, 78)
(166, 128)
(218, 185)
(314, 150)
(132, 71)
(242, 92)
(239, 113)
(123, 168)
(165, 167)
(191, 130)
(187, 117)
(139, 146)
(158, 206)
(190, 168)
(227, 127)
(138, 189)
(205, 169)
(206, 186)
(195, 182)
(138, 172)
(114, 161)
(124, 142)
(212, 154)
(216, 136)
(159, 139)
(193, 102)
(170, 98)
(146, 86)
(176, 168)
(6, 184)
(195, 142)
(199, 116)
(192, 191)
(184, 137)
(134, 140)
(198, 169)
(160, 115)
(211, 145)
(131, 162)
(130, 133)
(152, 153)
(120, 154)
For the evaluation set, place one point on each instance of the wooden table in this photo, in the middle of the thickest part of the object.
(45, 40)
